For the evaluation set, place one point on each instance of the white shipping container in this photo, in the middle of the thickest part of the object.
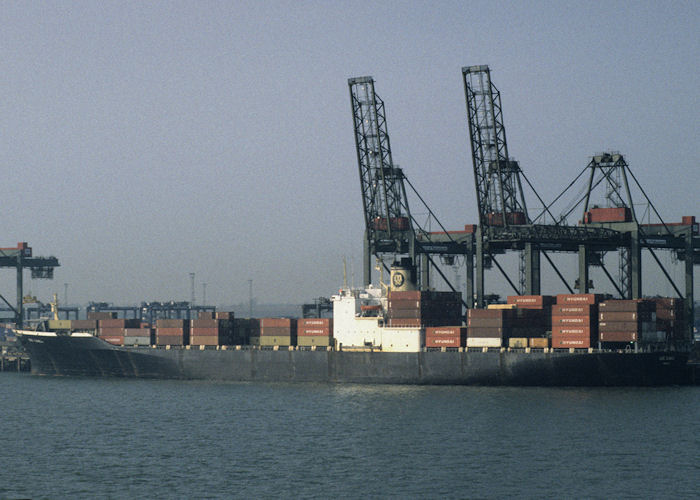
(483, 342)
(137, 341)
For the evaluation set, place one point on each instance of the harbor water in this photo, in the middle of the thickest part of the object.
(115, 438)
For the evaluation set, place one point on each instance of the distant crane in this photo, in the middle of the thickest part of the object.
(20, 257)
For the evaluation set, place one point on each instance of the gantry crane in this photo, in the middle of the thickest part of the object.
(497, 177)
(388, 225)
(504, 223)
(20, 258)
(390, 230)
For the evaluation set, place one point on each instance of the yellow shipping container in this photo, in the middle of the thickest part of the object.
(304, 340)
(517, 342)
(271, 340)
(502, 306)
(59, 324)
(539, 342)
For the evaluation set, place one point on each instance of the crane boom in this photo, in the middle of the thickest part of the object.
(497, 176)
(388, 226)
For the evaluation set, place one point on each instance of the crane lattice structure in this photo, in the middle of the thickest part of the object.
(20, 258)
(388, 224)
(497, 176)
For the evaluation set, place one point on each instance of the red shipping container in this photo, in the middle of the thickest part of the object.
(407, 313)
(668, 303)
(619, 336)
(206, 315)
(315, 322)
(624, 316)
(205, 323)
(111, 331)
(611, 214)
(531, 301)
(578, 298)
(84, 324)
(572, 320)
(574, 310)
(277, 331)
(490, 313)
(404, 304)
(660, 314)
(513, 218)
(277, 322)
(171, 331)
(574, 331)
(314, 332)
(568, 341)
(488, 322)
(407, 295)
(635, 305)
(445, 331)
(170, 340)
(397, 223)
(619, 326)
(444, 341)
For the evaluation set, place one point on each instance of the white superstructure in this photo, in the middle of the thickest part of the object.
(358, 322)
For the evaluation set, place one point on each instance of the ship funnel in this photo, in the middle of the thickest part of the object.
(403, 276)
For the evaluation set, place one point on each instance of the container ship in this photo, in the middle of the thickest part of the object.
(382, 336)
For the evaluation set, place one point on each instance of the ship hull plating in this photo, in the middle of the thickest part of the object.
(90, 356)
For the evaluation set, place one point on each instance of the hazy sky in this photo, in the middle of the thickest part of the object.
(142, 141)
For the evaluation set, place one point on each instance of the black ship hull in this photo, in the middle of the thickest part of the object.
(90, 356)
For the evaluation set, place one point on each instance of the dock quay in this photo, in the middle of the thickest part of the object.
(13, 359)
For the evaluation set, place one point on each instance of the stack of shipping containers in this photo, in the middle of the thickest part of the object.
(624, 321)
(532, 321)
(575, 321)
(114, 330)
(172, 332)
(417, 308)
(278, 331)
(314, 332)
(246, 331)
(489, 327)
(445, 336)
(84, 325)
(669, 318)
(212, 329)
(139, 336)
